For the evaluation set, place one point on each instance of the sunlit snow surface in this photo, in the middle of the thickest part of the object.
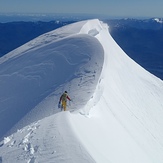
(116, 115)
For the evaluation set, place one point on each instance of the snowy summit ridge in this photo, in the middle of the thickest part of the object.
(116, 113)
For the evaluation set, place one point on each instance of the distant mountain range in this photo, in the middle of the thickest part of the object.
(142, 40)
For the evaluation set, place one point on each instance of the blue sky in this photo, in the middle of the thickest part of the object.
(123, 8)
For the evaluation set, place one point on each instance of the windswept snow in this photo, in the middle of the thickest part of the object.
(30, 76)
(117, 109)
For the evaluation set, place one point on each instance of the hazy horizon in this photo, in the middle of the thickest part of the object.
(123, 8)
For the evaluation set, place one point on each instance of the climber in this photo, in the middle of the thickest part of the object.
(63, 99)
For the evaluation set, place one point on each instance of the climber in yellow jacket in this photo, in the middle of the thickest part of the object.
(63, 99)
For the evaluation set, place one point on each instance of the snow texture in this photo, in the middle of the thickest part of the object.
(117, 106)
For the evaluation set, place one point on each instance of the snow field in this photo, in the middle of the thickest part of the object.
(117, 106)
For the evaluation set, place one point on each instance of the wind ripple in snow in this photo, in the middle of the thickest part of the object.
(72, 64)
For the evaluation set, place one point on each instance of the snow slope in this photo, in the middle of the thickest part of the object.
(117, 109)
(46, 67)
